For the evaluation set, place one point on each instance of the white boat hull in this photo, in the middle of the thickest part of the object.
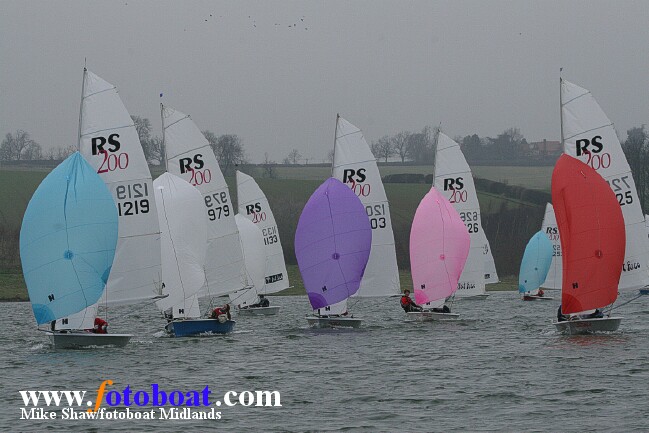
(333, 322)
(432, 316)
(259, 311)
(535, 298)
(588, 326)
(80, 339)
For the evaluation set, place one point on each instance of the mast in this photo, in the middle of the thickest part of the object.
(561, 107)
(83, 89)
(162, 119)
(335, 136)
(437, 131)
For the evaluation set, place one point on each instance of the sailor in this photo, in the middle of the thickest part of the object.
(218, 311)
(408, 304)
(540, 293)
(101, 326)
(444, 309)
(263, 301)
(560, 316)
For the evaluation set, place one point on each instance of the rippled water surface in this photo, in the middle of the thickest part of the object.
(502, 367)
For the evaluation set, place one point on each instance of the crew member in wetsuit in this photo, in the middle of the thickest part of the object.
(408, 304)
(263, 302)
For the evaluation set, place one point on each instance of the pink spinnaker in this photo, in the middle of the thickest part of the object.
(439, 246)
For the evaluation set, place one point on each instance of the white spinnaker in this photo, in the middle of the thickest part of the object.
(110, 143)
(555, 275)
(454, 180)
(490, 273)
(253, 205)
(190, 157)
(589, 135)
(355, 166)
(254, 254)
(183, 232)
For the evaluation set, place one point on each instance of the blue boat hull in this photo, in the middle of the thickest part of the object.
(190, 327)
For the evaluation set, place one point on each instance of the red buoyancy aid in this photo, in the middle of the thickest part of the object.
(405, 301)
(100, 326)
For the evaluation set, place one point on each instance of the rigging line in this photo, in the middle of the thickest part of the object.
(631, 300)
(590, 130)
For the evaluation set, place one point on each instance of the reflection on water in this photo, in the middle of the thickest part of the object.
(501, 367)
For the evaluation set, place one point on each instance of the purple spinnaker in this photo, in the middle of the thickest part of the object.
(332, 243)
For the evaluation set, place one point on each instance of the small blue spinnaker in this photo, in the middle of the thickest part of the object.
(67, 240)
(536, 263)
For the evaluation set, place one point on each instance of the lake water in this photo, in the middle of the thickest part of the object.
(502, 367)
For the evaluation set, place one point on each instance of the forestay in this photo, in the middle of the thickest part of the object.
(67, 240)
(254, 254)
(109, 142)
(592, 236)
(355, 166)
(454, 181)
(332, 244)
(535, 263)
(549, 227)
(183, 232)
(439, 247)
(254, 205)
(589, 136)
(190, 157)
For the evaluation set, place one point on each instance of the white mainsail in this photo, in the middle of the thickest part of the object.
(254, 205)
(109, 142)
(183, 231)
(490, 273)
(191, 158)
(555, 275)
(254, 254)
(454, 181)
(355, 165)
(589, 135)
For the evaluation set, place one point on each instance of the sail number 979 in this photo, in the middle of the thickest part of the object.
(217, 206)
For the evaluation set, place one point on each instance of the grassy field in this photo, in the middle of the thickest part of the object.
(287, 195)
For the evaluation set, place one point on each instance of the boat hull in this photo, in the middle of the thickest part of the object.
(333, 322)
(644, 291)
(588, 326)
(193, 327)
(479, 297)
(258, 311)
(537, 298)
(432, 316)
(81, 339)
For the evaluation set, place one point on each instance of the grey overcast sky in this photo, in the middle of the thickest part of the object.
(277, 72)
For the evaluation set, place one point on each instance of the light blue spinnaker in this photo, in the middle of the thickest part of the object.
(536, 263)
(67, 240)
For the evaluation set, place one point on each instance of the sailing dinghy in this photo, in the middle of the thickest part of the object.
(355, 166)
(254, 255)
(453, 179)
(254, 206)
(332, 245)
(555, 274)
(593, 240)
(67, 246)
(439, 247)
(535, 265)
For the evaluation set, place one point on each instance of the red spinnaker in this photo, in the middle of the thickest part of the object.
(593, 236)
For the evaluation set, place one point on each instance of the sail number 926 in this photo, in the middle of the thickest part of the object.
(471, 220)
(132, 199)
(217, 206)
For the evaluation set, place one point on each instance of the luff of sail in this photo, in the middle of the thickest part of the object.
(555, 274)
(191, 158)
(589, 135)
(439, 247)
(183, 233)
(253, 204)
(254, 254)
(109, 142)
(332, 244)
(453, 179)
(592, 236)
(490, 272)
(67, 240)
(355, 166)
(536, 262)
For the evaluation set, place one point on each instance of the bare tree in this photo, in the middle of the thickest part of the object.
(151, 145)
(59, 153)
(228, 149)
(269, 167)
(19, 147)
(382, 148)
(400, 144)
(294, 156)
